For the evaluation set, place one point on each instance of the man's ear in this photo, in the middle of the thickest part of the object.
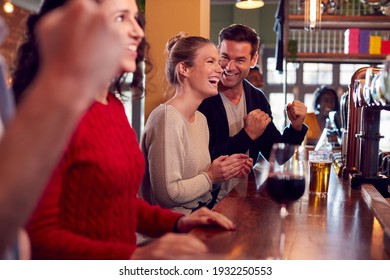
(254, 59)
(182, 69)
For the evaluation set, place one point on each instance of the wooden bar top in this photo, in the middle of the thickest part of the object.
(341, 226)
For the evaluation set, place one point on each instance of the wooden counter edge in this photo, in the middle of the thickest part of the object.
(381, 208)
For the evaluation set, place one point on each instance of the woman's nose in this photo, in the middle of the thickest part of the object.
(219, 68)
(136, 30)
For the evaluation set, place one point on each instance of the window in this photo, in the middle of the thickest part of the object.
(308, 100)
(273, 77)
(134, 109)
(347, 70)
(276, 100)
(384, 143)
(317, 73)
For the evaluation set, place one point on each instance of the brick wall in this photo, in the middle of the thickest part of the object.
(16, 26)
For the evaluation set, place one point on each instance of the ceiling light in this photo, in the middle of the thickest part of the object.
(8, 7)
(312, 15)
(249, 4)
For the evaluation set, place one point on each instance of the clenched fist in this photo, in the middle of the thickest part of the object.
(296, 112)
(255, 123)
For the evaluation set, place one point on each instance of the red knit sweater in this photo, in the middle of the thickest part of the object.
(90, 208)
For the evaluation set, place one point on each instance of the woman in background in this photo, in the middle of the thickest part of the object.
(90, 208)
(325, 101)
(180, 174)
(255, 77)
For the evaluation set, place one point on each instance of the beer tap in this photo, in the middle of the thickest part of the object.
(366, 98)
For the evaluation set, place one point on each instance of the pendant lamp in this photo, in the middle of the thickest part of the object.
(249, 4)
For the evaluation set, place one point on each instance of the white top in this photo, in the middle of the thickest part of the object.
(177, 156)
(235, 115)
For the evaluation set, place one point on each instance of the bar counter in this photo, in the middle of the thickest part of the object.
(342, 226)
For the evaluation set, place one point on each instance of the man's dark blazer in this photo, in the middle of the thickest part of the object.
(220, 142)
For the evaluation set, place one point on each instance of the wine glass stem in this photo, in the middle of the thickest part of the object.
(283, 215)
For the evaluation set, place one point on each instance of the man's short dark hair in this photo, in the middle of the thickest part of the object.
(240, 33)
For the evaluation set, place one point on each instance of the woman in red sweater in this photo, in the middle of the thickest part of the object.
(90, 208)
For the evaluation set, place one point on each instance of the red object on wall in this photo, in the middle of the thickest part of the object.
(385, 48)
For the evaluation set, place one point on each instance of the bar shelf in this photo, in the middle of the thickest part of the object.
(338, 22)
(338, 58)
(327, 43)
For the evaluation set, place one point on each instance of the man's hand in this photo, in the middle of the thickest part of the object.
(255, 123)
(296, 112)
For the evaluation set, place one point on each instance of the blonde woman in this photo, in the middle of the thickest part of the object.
(180, 174)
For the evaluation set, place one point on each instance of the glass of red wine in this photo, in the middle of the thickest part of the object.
(286, 181)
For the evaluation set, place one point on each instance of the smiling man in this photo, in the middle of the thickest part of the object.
(240, 117)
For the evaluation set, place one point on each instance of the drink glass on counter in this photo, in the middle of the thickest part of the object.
(320, 163)
(286, 181)
(260, 170)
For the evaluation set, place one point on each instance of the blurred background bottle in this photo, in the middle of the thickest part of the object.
(329, 135)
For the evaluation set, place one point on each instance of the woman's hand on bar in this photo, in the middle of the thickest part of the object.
(204, 217)
(171, 246)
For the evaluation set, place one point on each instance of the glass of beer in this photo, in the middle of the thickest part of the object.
(320, 163)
